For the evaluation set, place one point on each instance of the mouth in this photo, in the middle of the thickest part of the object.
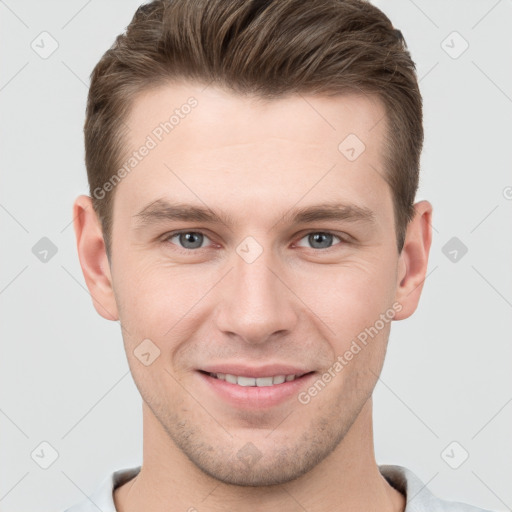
(252, 391)
(243, 381)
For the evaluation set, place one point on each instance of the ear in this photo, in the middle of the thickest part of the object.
(93, 257)
(413, 260)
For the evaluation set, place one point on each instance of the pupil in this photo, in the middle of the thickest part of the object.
(188, 238)
(317, 237)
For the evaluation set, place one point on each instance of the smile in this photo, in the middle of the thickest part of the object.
(254, 381)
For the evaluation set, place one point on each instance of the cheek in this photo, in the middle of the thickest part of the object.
(150, 294)
(162, 303)
(348, 298)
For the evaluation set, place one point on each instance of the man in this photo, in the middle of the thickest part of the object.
(253, 168)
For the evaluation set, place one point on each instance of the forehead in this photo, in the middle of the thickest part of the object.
(236, 116)
(211, 146)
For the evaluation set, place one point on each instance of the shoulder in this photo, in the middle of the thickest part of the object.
(103, 497)
(418, 497)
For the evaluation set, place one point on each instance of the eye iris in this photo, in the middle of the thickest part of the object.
(193, 240)
(185, 238)
(319, 237)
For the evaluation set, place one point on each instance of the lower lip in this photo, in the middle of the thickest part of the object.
(256, 397)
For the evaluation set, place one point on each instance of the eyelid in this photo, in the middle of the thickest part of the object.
(344, 238)
(165, 238)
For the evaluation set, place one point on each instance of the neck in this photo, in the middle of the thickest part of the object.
(348, 479)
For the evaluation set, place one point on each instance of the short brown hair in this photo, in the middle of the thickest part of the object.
(268, 48)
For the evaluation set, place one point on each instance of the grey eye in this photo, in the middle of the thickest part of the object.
(189, 239)
(320, 239)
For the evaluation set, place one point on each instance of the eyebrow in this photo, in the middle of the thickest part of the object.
(162, 210)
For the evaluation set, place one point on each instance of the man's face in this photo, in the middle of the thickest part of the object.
(259, 294)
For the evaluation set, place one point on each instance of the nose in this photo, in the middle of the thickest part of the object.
(257, 304)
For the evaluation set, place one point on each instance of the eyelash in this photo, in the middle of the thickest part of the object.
(182, 250)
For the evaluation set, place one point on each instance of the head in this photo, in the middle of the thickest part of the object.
(335, 48)
(257, 113)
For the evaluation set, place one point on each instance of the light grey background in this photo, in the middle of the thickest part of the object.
(64, 377)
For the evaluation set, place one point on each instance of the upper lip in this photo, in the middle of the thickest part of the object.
(241, 370)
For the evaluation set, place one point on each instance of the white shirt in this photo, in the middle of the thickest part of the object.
(418, 497)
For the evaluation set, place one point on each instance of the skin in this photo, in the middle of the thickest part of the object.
(298, 303)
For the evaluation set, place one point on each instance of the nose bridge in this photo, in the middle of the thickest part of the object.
(257, 304)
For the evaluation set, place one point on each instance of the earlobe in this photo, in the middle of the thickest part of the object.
(93, 257)
(413, 260)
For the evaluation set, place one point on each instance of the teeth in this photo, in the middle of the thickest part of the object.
(253, 381)
(228, 377)
(265, 381)
(245, 381)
